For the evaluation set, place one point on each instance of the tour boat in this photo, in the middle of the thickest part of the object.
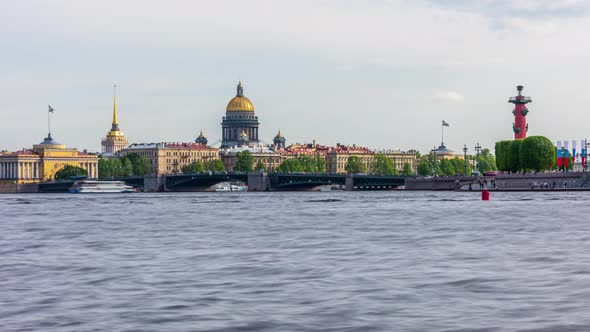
(94, 186)
(225, 186)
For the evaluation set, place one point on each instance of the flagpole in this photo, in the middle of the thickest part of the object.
(442, 136)
(49, 123)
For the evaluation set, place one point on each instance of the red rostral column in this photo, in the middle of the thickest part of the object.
(520, 111)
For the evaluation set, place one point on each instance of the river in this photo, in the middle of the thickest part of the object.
(295, 261)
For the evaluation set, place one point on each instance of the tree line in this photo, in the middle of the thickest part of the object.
(534, 153)
(456, 166)
(199, 167)
(130, 165)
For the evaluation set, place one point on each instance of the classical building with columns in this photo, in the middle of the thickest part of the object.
(42, 162)
(239, 118)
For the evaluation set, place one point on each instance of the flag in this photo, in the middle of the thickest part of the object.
(444, 123)
(559, 158)
(50, 109)
(574, 146)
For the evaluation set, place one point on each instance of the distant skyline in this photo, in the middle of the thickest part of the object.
(376, 73)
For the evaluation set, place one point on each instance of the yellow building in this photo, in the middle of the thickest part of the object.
(115, 140)
(169, 158)
(269, 158)
(42, 162)
(337, 158)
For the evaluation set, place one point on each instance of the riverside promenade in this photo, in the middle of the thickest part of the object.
(505, 182)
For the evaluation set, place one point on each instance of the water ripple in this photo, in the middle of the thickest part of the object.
(330, 261)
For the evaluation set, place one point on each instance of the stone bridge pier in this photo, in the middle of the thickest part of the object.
(258, 181)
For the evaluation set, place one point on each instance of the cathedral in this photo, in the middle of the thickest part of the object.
(240, 123)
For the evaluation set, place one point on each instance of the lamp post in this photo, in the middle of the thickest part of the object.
(434, 160)
(465, 158)
(477, 148)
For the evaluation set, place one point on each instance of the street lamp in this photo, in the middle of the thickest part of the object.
(434, 160)
(465, 158)
(477, 148)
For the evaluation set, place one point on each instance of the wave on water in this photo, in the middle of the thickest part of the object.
(327, 200)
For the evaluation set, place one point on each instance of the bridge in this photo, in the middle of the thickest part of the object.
(291, 181)
(186, 182)
(256, 181)
(281, 181)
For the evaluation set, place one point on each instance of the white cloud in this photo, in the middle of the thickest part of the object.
(449, 96)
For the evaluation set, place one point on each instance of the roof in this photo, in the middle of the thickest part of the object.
(170, 145)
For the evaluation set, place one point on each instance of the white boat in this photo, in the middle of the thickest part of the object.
(225, 186)
(94, 186)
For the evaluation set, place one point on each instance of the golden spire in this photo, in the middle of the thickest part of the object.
(115, 119)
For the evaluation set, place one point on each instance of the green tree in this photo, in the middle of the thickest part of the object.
(502, 155)
(446, 168)
(320, 162)
(260, 167)
(383, 165)
(407, 170)
(142, 167)
(355, 165)
(117, 167)
(416, 152)
(127, 167)
(514, 162)
(307, 163)
(537, 153)
(244, 161)
(291, 165)
(424, 167)
(459, 166)
(70, 171)
(105, 168)
(487, 161)
(194, 167)
(215, 165)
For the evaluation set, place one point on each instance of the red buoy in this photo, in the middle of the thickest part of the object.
(485, 195)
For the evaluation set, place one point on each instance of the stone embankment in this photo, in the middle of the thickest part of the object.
(505, 182)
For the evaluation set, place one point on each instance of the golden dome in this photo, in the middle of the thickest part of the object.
(239, 103)
(113, 133)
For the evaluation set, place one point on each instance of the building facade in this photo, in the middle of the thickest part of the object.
(43, 161)
(269, 158)
(169, 158)
(239, 118)
(337, 158)
(115, 140)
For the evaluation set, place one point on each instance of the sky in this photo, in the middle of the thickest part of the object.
(376, 73)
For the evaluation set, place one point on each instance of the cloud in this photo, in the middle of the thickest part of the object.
(451, 96)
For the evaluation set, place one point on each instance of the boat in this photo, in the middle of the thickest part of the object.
(226, 186)
(96, 187)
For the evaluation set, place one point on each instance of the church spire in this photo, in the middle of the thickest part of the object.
(115, 118)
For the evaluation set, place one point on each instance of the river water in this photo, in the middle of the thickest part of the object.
(295, 261)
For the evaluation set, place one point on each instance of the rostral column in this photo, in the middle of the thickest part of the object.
(520, 111)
